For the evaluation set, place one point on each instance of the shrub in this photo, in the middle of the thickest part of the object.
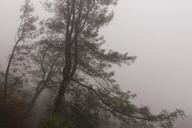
(55, 122)
(11, 111)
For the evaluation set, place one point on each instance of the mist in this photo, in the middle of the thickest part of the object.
(157, 32)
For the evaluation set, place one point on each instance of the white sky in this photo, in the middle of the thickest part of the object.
(158, 32)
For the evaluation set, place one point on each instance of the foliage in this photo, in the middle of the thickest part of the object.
(51, 122)
(68, 58)
(11, 113)
(24, 31)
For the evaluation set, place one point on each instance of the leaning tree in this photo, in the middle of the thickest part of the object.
(24, 31)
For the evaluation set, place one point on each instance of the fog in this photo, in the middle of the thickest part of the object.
(158, 32)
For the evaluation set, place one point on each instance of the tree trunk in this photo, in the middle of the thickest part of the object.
(8, 67)
(60, 99)
(33, 100)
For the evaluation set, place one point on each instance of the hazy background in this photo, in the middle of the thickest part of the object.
(158, 32)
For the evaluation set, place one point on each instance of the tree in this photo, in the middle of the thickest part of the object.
(68, 57)
(25, 28)
(79, 21)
